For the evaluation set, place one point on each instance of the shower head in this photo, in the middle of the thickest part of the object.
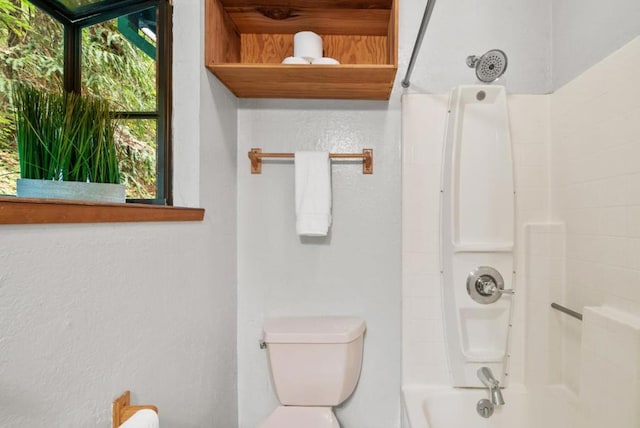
(489, 66)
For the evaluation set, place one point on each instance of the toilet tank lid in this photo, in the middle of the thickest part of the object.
(313, 329)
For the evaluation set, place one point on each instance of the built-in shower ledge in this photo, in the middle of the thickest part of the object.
(14, 210)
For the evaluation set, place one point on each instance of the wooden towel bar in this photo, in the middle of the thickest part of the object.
(256, 155)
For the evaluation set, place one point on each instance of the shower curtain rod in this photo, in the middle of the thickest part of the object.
(416, 48)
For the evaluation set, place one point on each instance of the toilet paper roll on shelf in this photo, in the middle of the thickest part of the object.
(295, 60)
(325, 61)
(308, 45)
(315, 61)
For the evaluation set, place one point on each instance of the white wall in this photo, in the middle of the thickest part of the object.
(586, 31)
(459, 28)
(354, 271)
(88, 311)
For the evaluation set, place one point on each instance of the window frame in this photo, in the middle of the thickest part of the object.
(73, 24)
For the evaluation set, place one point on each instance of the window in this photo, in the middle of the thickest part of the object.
(117, 49)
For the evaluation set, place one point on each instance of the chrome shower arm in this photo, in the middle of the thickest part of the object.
(416, 47)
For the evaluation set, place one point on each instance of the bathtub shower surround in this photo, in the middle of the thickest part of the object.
(477, 232)
(424, 122)
(608, 396)
(444, 407)
(577, 180)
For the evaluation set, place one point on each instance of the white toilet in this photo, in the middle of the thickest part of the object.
(315, 364)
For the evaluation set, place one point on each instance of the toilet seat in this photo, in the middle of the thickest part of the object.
(300, 416)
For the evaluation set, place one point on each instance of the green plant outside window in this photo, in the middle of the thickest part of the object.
(115, 66)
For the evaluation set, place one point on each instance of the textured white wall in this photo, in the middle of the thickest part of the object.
(354, 271)
(586, 31)
(88, 311)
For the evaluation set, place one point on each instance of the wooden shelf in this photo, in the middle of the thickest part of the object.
(246, 40)
(372, 82)
(14, 210)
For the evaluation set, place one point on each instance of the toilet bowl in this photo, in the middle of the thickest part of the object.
(315, 364)
(298, 417)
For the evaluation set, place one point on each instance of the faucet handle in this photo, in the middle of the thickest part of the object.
(485, 285)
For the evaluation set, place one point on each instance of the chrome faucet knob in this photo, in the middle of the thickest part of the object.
(486, 285)
(485, 408)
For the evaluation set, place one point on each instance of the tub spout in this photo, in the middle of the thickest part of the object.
(496, 396)
(486, 377)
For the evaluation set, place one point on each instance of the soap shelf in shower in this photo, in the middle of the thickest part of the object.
(256, 156)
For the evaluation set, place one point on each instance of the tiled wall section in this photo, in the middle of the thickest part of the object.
(610, 369)
(595, 180)
(424, 118)
(545, 328)
(423, 122)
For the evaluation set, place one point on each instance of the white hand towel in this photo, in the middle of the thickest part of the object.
(313, 193)
(145, 418)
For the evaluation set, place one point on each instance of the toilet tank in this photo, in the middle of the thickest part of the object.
(314, 361)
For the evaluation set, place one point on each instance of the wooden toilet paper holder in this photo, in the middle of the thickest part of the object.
(123, 410)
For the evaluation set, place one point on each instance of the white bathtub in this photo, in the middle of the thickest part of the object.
(447, 407)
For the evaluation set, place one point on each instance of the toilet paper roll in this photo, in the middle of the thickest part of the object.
(325, 61)
(307, 44)
(295, 60)
(145, 418)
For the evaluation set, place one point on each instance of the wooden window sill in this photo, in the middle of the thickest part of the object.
(14, 210)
